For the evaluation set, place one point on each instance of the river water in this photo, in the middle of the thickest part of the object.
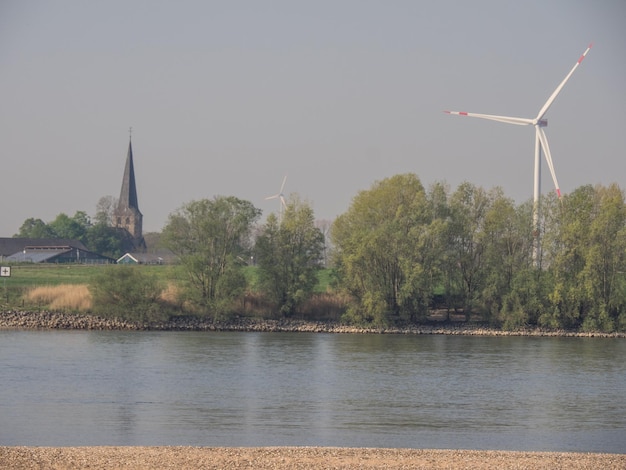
(78, 388)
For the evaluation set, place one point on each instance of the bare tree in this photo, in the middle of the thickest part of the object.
(105, 209)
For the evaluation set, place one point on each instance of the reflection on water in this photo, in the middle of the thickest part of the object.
(257, 389)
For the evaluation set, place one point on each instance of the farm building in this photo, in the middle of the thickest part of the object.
(48, 250)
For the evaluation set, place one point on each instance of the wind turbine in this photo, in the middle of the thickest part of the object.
(541, 143)
(282, 204)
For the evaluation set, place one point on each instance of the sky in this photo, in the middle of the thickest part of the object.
(227, 97)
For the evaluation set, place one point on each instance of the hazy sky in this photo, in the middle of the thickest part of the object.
(226, 97)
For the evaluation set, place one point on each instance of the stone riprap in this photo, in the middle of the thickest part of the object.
(15, 319)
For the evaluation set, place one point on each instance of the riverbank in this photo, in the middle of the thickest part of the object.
(295, 458)
(67, 321)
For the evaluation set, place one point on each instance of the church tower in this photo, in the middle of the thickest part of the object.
(127, 214)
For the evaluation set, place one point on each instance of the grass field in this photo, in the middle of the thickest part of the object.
(36, 275)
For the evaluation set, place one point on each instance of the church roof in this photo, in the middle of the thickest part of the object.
(128, 194)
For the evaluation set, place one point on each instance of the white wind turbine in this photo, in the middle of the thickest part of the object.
(541, 143)
(282, 204)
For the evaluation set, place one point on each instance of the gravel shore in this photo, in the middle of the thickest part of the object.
(295, 458)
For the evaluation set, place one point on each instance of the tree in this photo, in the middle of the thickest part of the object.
(288, 256)
(104, 210)
(74, 228)
(106, 240)
(211, 237)
(442, 255)
(569, 237)
(589, 266)
(504, 251)
(606, 260)
(35, 228)
(508, 266)
(469, 205)
(383, 251)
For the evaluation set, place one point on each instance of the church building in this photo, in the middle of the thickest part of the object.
(127, 215)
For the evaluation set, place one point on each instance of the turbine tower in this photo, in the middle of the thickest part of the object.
(541, 145)
(282, 204)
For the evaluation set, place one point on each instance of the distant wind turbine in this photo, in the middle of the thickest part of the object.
(541, 143)
(282, 204)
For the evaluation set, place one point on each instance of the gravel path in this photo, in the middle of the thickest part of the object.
(294, 458)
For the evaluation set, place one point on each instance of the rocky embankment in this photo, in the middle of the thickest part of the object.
(15, 319)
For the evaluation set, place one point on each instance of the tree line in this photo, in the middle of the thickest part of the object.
(214, 240)
(97, 233)
(401, 250)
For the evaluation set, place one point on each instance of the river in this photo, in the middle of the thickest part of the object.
(80, 388)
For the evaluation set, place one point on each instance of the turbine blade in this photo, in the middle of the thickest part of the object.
(282, 200)
(272, 197)
(492, 117)
(282, 186)
(548, 103)
(546, 151)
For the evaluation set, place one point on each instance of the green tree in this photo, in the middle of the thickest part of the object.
(211, 237)
(74, 228)
(382, 251)
(507, 252)
(467, 242)
(568, 238)
(289, 255)
(106, 240)
(441, 252)
(35, 228)
(591, 265)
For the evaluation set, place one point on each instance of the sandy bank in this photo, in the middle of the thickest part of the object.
(294, 458)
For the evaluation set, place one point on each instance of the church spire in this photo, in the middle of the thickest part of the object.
(128, 194)
(127, 215)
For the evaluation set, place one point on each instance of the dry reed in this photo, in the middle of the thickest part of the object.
(62, 297)
(171, 294)
(325, 306)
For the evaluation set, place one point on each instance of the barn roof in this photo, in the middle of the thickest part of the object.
(10, 246)
(37, 256)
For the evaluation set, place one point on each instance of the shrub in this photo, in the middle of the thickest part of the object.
(370, 311)
(512, 316)
(598, 320)
(127, 292)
